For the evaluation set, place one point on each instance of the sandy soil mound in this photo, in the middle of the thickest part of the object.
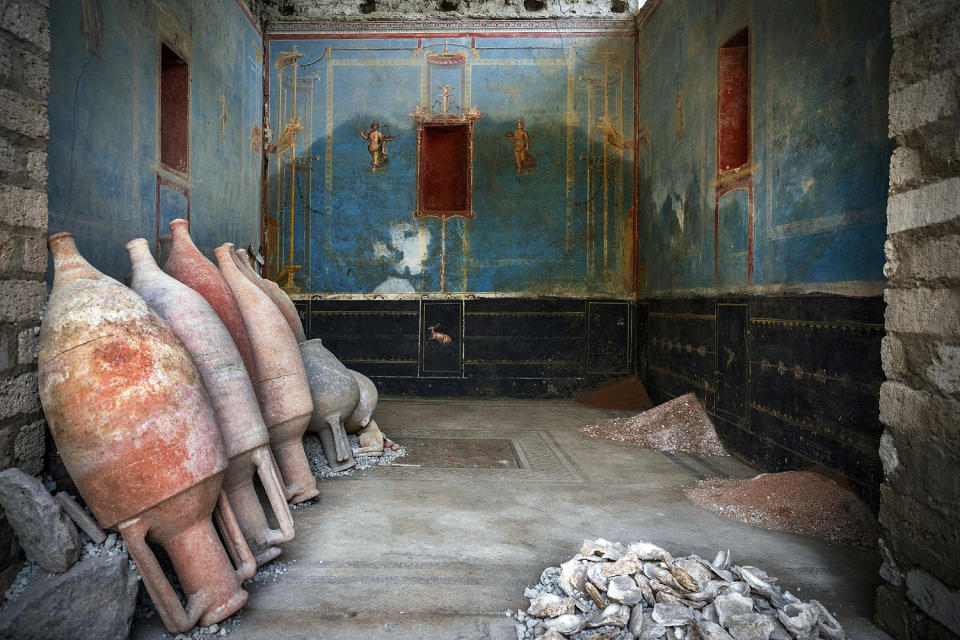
(678, 425)
(797, 501)
(626, 395)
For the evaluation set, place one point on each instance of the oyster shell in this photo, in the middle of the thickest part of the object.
(750, 626)
(624, 590)
(596, 576)
(672, 614)
(648, 551)
(551, 634)
(710, 630)
(730, 605)
(566, 624)
(627, 564)
(572, 577)
(603, 548)
(615, 615)
(635, 623)
(596, 596)
(547, 605)
(828, 626)
(651, 630)
(644, 583)
(683, 578)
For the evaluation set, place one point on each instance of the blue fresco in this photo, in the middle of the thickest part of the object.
(562, 228)
(103, 153)
(820, 153)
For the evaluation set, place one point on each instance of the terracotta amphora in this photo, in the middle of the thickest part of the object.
(275, 293)
(192, 268)
(335, 396)
(136, 431)
(244, 434)
(278, 378)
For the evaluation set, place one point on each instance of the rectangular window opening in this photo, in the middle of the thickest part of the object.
(733, 103)
(174, 110)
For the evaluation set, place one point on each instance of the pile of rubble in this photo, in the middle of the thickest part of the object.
(678, 425)
(801, 502)
(321, 467)
(76, 584)
(611, 591)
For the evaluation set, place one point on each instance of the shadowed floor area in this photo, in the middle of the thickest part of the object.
(443, 549)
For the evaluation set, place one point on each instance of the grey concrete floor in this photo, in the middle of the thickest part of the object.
(442, 552)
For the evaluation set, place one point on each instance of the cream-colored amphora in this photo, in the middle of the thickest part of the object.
(245, 436)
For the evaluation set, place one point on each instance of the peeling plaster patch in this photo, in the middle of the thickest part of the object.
(380, 250)
(405, 238)
(394, 285)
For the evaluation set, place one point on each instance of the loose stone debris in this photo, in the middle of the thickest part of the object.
(678, 425)
(321, 469)
(92, 600)
(612, 591)
(47, 535)
(797, 501)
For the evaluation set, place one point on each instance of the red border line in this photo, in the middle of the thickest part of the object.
(246, 12)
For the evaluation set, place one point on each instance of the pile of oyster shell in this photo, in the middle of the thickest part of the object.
(611, 591)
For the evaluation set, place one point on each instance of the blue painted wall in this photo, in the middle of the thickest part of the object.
(103, 150)
(563, 229)
(820, 150)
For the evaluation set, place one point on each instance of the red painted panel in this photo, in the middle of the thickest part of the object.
(445, 168)
(733, 126)
(174, 110)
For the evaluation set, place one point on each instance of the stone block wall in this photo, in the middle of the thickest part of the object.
(920, 401)
(277, 11)
(24, 82)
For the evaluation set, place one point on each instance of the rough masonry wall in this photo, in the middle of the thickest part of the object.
(920, 402)
(271, 11)
(24, 78)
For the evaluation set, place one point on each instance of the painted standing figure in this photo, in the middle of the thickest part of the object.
(377, 146)
(521, 148)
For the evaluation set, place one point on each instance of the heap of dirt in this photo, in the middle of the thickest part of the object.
(628, 394)
(678, 425)
(797, 501)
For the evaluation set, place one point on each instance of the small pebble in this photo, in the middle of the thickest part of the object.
(110, 541)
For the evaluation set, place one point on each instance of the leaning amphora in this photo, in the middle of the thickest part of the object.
(192, 268)
(135, 429)
(244, 434)
(335, 396)
(273, 291)
(278, 377)
(361, 420)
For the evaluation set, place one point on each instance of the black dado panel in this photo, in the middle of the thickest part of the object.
(608, 326)
(521, 347)
(441, 354)
(792, 382)
(375, 337)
